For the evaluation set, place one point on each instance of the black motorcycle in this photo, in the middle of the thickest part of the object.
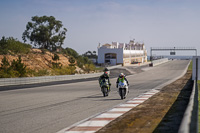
(105, 88)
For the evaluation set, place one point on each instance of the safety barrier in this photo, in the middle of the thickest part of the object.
(43, 79)
(113, 67)
(189, 122)
(158, 62)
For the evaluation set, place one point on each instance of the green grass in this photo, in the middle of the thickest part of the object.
(190, 66)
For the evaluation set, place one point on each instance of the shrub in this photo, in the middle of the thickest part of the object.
(72, 61)
(89, 67)
(11, 45)
(56, 64)
(16, 69)
(33, 73)
(19, 67)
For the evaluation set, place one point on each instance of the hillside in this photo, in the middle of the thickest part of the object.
(36, 60)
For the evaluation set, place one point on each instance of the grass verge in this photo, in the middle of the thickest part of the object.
(190, 66)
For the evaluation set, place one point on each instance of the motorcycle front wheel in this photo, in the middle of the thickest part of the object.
(122, 93)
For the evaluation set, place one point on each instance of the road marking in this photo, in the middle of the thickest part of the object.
(108, 115)
(129, 105)
(120, 109)
(94, 123)
(91, 125)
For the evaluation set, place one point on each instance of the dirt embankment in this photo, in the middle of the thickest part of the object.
(161, 113)
(36, 60)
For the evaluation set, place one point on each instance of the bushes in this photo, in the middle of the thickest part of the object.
(33, 73)
(13, 46)
(15, 69)
(56, 64)
(89, 67)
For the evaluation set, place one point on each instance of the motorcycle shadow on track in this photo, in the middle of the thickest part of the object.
(113, 99)
(108, 99)
(99, 97)
(94, 96)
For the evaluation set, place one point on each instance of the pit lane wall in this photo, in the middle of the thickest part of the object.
(43, 79)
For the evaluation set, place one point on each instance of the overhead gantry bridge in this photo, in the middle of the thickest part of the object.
(172, 50)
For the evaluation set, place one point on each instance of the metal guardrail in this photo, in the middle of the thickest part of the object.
(189, 122)
(43, 79)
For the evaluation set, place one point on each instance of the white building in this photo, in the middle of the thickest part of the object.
(122, 53)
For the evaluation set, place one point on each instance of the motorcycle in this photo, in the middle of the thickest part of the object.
(105, 88)
(123, 89)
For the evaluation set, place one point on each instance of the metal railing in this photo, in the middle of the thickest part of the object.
(189, 122)
(43, 79)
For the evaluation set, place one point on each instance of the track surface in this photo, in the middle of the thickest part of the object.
(54, 107)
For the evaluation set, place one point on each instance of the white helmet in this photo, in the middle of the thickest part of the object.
(122, 75)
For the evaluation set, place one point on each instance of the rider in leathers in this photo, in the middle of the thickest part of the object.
(121, 78)
(104, 76)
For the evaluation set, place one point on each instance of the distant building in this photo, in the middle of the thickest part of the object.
(122, 53)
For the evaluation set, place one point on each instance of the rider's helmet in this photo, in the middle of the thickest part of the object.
(121, 75)
(105, 74)
(105, 70)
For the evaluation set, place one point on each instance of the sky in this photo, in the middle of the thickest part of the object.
(156, 23)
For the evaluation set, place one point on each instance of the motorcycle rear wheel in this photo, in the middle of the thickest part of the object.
(105, 91)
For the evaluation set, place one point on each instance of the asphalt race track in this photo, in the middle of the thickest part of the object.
(50, 108)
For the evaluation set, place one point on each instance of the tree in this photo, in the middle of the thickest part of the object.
(94, 52)
(45, 32)
(90, 54)
(5, 65)
(71, 52)
(3, 46)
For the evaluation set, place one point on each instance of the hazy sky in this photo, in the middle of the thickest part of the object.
(157, 23)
